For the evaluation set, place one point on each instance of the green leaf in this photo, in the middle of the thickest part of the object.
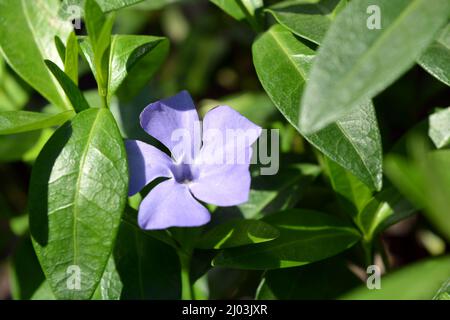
(44, 292)
(351, 193)
(307, 20)
(13, 147)
(129, 55)
(74, 94)
(99, 27)
(310, 282)
(35, 24)
(305, 237)
(231, 7)
(12, 94)
(277, 192)
(272, 193)
(131, 217)
(436, 59)
(418, 281)
(71, 58)
(354, 63)
(236, 232)
(444, 291)
(78, 191)
(252, 6)
(94, 19)
(104, 5)
(148, 268)
(61, 48)
(424, 179)
(252, 10)
(110, 286)
(101, 60)
(439, 128)
(385, 209)
(22, 121)
(32, 153)
(282, 64)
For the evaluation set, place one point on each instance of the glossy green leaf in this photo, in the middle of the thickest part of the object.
(424, 179)
(354, 63)
(78, 191)
(419, 281)
(44, 292)
(61, 48)
(129, 55)
(35, 24)
(94, 19)
(444, 292)
(439, 128)
(351, 193)
(436, 59)
(370, 214)
(77, 99)
(282, 64)
(71, 58)
(305, 237)
(22, 121)
(325, 279)
(110, 286)
(101, 58)
(235, 233)
(307, 20)
(385, 209)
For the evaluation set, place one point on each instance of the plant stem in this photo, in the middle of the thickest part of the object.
(185, 263)
(368, 252)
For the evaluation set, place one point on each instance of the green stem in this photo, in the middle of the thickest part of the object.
(185, 263)
(368, 252)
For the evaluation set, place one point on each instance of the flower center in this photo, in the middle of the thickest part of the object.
(183, 173)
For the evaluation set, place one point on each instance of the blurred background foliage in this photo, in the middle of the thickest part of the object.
(210, 56)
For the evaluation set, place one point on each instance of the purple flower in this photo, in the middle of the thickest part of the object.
(211, 165)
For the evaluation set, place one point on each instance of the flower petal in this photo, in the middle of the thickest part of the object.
(174, 122)
(145, 163)
(170, 204)
(227, 137)
(222, 185)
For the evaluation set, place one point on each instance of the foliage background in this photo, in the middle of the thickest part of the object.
(210, 56)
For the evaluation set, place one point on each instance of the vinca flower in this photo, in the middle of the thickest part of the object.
(208, 162)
